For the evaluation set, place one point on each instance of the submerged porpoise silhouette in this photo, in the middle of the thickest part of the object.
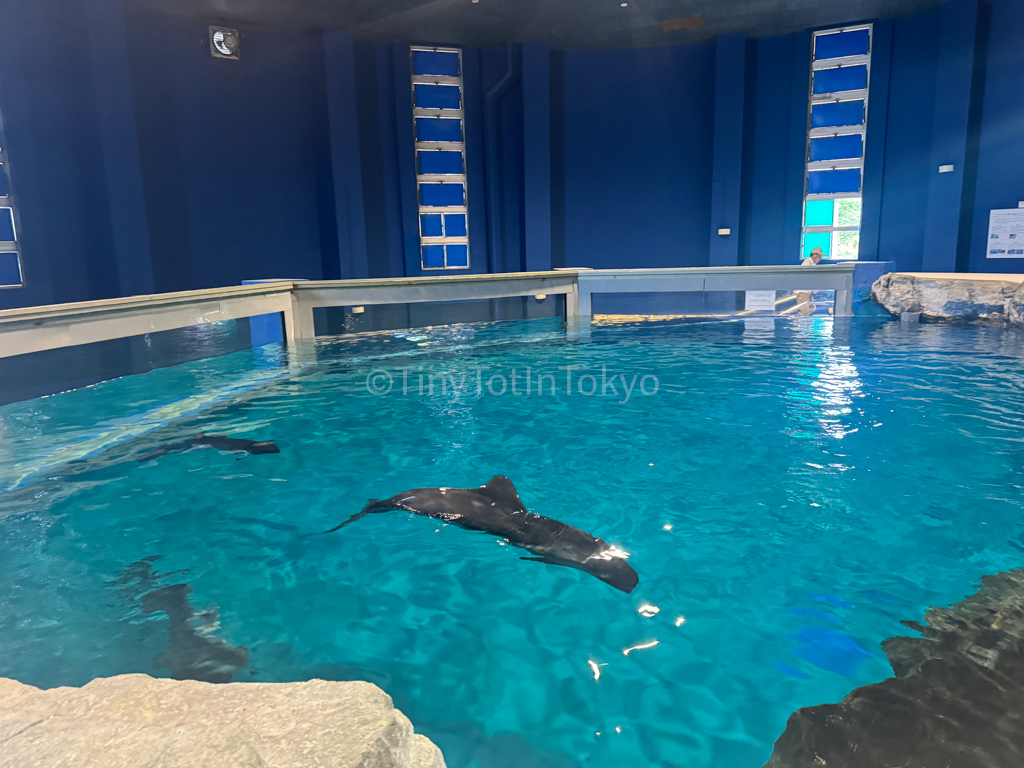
(193, 651)
(495, 508)
(191, 655)
(220, 442)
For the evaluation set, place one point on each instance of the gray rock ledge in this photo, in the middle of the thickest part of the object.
(947, 296)
(143, 722)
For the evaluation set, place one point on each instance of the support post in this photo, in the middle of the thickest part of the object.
(298, 321)
(843, 304)
(584, 300)
(572, 302)
(586, 303)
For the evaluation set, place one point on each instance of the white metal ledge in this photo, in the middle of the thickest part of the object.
(35, 329)
(830, 277)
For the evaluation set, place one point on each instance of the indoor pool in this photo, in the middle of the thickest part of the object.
(787, 491)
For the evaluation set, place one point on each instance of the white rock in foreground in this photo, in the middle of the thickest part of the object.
(142, 722)
(948, 296)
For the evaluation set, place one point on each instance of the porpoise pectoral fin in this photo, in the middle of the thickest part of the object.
(542, 560)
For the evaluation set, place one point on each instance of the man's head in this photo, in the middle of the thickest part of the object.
(816, 255)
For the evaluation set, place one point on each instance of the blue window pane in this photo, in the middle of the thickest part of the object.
(435, 63)
(442, 194)
(432, 256)
(437, 96)
(430, 225)
(840, 79)
(837, 147)
(439, 161)
(3, 182)
(838, 44)
(10, 269)
(828, 182)
(458, 255)
(438, 129)
(814, 240)
(6, 225)
(837, 113)
(818, 213)
(455, 225)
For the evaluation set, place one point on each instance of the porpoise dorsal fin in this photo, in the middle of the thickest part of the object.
(501, 490)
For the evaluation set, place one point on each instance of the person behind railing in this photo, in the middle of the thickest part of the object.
(803, 298)
(815, 256)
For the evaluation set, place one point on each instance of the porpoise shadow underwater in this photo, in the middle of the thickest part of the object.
(236, 445)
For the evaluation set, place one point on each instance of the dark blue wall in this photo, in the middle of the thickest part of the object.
(1000, 171)
(777, 103)
(501, 103)
(55, 153)
(727, 152)
(638, 149)
(955, 84)
(955, 67)
(235, 154)
(908, 140)
(140, 163)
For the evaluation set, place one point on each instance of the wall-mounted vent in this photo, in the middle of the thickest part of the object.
(225, 43)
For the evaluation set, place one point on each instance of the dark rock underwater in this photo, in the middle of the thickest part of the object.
(957, 700)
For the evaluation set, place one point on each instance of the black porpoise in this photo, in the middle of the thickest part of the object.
(495, 508)
(220, 442)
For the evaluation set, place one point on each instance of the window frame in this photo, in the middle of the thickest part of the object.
(816, 166)
(7, 204)
(444, 146)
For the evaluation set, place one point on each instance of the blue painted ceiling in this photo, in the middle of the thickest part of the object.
(561, 23)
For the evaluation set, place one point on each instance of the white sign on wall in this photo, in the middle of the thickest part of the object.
(757, 300)
(1005, 234)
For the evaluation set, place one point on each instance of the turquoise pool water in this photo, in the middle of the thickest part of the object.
(790, 492)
